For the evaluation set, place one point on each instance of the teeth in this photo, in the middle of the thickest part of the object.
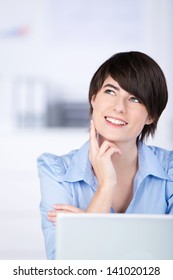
(115, 121)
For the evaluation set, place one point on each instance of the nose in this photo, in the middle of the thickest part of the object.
(119, 105)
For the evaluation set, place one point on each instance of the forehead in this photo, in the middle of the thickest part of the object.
(110, 81)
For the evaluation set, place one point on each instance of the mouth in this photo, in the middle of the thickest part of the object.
(115, 121)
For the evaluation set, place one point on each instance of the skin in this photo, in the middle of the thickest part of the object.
(113, 149)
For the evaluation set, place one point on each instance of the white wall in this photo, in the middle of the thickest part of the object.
(159, 43)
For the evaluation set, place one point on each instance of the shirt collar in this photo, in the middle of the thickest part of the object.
(149, 163)
(80, 168)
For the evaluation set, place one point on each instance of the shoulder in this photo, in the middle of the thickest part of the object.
(164, 156)
(66, 167)
(54, 164)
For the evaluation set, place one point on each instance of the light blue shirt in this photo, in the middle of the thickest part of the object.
(69, 179)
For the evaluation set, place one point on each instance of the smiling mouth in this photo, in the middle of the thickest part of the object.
(115, 121)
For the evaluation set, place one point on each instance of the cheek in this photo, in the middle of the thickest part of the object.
(100, 105)
(140, 124)
(140, 115)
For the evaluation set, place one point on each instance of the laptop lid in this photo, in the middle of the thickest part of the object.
(114, 236)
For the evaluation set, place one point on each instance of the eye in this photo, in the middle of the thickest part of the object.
(135, 99)
(109, 91)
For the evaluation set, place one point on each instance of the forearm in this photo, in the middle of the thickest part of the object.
(101, 201)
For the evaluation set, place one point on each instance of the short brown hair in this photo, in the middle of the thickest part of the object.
(138, 74)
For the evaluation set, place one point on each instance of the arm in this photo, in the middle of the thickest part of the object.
(100, 157)
(52, 191)
(104, 170)
(62, 208)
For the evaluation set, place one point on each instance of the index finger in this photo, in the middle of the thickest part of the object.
(93, 139)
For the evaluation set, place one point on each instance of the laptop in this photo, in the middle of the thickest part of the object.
(114, 237)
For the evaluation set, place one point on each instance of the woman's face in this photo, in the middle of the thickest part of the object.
(118, 115)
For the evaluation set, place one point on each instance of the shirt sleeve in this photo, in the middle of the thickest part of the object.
(170, 186)
(53, 191)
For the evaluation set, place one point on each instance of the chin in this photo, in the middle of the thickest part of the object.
(106, 136)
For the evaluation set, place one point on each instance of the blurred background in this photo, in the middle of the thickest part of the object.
(49, 50)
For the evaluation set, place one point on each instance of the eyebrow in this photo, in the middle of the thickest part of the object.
(112, 86)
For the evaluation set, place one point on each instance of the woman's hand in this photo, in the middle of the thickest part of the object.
(100, 158)
(62, 208)
(101, 161)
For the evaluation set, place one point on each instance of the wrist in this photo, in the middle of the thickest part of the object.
(106, 185)
(105, 193)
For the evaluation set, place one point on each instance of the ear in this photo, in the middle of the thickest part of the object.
(149, 120)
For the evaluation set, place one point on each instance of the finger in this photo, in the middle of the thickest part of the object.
(52, 213)
(52, 218)
(66, 207)
(93, 136)
(111, 151)
(106, 146)
(94, 147)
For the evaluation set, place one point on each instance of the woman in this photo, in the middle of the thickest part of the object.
(114, 171)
